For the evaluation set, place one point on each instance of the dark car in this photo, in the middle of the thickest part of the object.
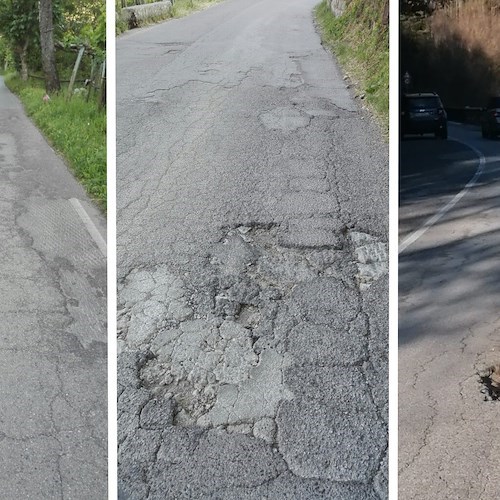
(490, 119)
(423, 113)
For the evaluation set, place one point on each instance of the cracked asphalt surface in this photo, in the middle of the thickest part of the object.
(53, 402)
(449, 321)
(252, 198)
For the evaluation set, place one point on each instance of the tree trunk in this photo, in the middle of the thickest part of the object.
(23, 56)
(48, 50)
(385, 15)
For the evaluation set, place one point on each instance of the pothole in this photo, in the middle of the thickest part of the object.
(490, 380)
(218, 336)
(285, 119)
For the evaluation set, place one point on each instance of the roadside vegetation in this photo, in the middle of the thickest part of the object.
(180, 8)
(76, 128)
(64, 97)
(359, 37)
(453, 48)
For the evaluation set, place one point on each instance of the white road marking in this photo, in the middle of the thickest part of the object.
(90, 226)
(412, 238)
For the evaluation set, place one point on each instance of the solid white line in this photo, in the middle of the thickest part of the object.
(89, 225)
(412, 238)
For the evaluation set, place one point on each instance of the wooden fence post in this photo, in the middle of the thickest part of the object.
(91, 79)
(102, 85)
(75, 71)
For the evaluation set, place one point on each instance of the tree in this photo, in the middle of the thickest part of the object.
(19, 26)
(47, 45)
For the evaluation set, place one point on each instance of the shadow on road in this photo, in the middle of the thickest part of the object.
(450, 285)
(450, 281)
(433, 167)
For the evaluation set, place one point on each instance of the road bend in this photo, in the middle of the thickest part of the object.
(252, 195)
(449, 317)
(53, 397)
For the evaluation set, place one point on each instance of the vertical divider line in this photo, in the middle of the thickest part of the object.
(393, 244)
(111, 262)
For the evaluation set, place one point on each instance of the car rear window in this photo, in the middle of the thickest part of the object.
(424, 102)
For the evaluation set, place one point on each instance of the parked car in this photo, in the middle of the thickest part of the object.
(423, 113)
(490, 118)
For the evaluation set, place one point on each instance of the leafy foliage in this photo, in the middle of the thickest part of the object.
(19, 23)
(85, 24)
(76, 23)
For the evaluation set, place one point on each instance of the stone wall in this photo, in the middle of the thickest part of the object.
(137, 14)
(337, 7)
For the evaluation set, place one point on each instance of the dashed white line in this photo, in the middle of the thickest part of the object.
(89, 225)
(412, 238)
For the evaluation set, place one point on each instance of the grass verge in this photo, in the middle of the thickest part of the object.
(75, 128)
(360, 42)
(180, 8)
(183, 8)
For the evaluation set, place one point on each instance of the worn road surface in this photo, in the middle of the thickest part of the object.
(252, 261)
(53, 397)
(449, 320)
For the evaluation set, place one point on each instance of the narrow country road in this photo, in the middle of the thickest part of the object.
(449, 318)
(252, 196)
(53, 397)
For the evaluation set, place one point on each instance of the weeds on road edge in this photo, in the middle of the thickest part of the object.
(360, 41)
(75, 128)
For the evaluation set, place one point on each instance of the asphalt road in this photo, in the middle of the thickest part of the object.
(252, 196)
(449, 318)
(53, 402)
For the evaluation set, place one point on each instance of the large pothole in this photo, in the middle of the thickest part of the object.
(220, 346)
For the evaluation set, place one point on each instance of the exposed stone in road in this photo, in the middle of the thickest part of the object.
(252, 235)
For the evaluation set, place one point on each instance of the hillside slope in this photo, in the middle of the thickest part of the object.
(453, 49)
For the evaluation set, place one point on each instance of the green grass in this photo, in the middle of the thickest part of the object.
(180, 8)
(183, 8)
(361, 45)
(75, 128)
